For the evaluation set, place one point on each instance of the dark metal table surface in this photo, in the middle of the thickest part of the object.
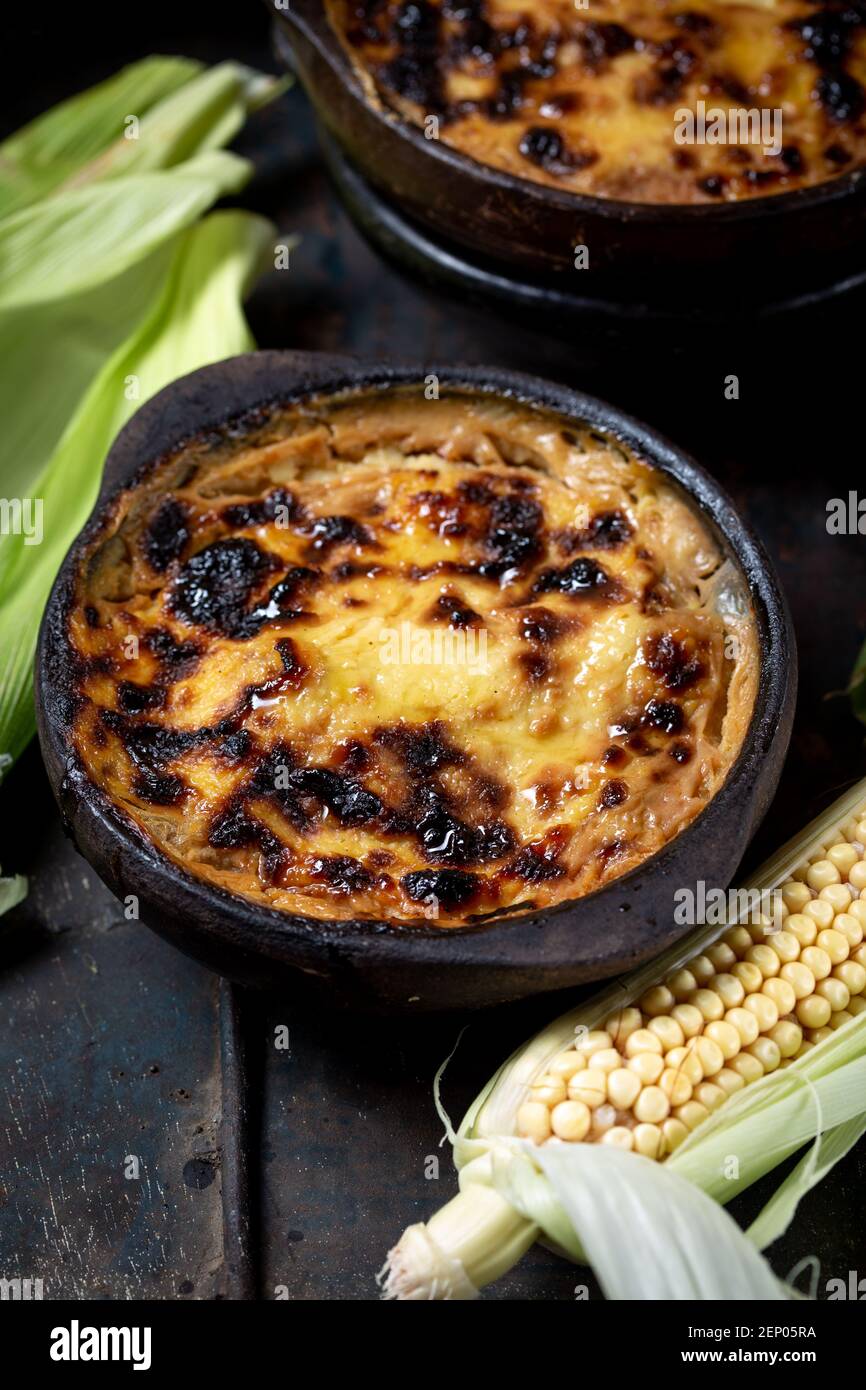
(120, 1135)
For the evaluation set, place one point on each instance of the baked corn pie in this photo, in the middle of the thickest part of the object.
(385, 657)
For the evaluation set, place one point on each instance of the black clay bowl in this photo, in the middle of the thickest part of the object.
(379, 965)
(515, 222)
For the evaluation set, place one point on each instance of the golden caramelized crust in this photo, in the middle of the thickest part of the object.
(585, 99)
(385, 657)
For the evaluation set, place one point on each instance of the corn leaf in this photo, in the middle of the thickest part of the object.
(12, 892)
(197, 319)
(42, 155)
(73, 241)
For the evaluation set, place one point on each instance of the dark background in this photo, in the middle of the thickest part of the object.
(108, 1037)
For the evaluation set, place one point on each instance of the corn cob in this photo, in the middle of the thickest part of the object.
(647, 1067)
(760, 997)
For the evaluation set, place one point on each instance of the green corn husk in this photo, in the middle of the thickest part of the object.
(649, 1229)
(105, 296)
(12, 891)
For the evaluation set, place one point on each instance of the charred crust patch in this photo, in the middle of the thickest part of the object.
(422, 750)
(449, 887)
(536, 666)
(664, 715)
(606, 531)
(546, 148)
(535, 865)
(327, 532)
(342, 873)
(451, 609)
(278, 504)
(214, 587)
(582, 578)
(138, 699)
(415, 71)
(669, 659)
(542, 627)
(513, 538)
(176, 659)
(613, 793)
(445, 838)
(167, 534)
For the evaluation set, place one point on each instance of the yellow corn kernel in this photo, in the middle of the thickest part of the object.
(816, 960)
(799, 977)
(764, 1009)
(623, 1088)
(566, 1064)
(857, 1005)
(619, 1137)
(785, 944)
(749, 975)
(820, 912)
(819, 875)
(787, 1037)
(548, 1089)
(590, 1086)
(781, 993)
(647, 1067)
(813, 1012)
(835, 943)
(747, 1066)
(657, 1000)
(765, 958)
(726, 1036)
(837, 1019)
(691, 1114)
(702, 968)
(603, 1119)
(622, 1024)
(710, 1095)
(709, 1004)
(675, 1085)
(838, 895)
(667, 1030)
(738, 939)
(648, 1140)
(674, 1132)
(765, 1051)
(690, 1019)
(795, 896)
(852, 975)
(607, 1060)
(850, 927)
(652, 1106)
(859, 954)
(745, 1023)
(721, 955)
(598, 1040)
(642, 1040)
(533, 1121)
(730, 1081)
(843, 858)
(818, 1035)
(836, 992)
(730, 990)
(857, 876)
(858, 910)
(709, 1055)
(570, 1120)
(685, 1061)
(681, 983)
(804, 928)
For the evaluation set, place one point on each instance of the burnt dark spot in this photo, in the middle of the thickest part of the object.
(837, 154)
(581, 577)
(535, 867)
(279, 505)
(159, 788)
(234, 829)
(614, 757)
(713, 185)
(422, 750)
(664, 715)
(612, 850)
(668, 658)
(478, 493)
(449, 887)
(681, 753)
(327, 532)
(355, 756)
(152, 746)
(841, 96)
(344, 797)
(636, 743)
(761, 178)
(91, 616)
(541, 626)
(545, 147)
(536, 665)
(446, 838)
(214, 587)
(512, 537)
(613, 793)
(605, 41)
(342, 873)
(451, 609)
(136, 699)
(606, 531)
(827, 34)
(415, 73)
(167, 534)
(236, 747)
(694, 23)
(177, 659)
(792, 159)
